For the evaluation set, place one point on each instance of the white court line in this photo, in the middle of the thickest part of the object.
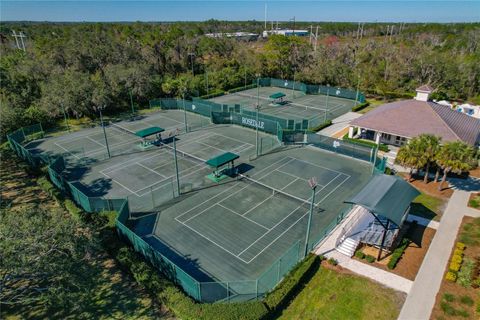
(162, 164)
(238, 214)
(291, 226)
(319, 166)
(101, 144)
(348, 177)
(132, 161)
(66, 150)
(276, 225)
(143, 166)
(223, 192)
(291, 175)
(291, 182)
(106, 175)
(258, 204)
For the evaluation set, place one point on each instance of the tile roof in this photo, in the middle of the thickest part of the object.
(410, 118)
(425, 88)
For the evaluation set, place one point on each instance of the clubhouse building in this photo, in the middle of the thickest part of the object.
(397, 122)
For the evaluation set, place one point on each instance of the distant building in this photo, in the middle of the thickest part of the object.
(237, 35)
(286, 32)
(397, 122)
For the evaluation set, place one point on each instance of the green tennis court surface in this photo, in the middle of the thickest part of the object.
(233, 231)
(298, 104)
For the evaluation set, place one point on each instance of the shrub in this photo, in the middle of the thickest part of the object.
(381, 147)
(321, 126)
(361, 106)
(454, 266)
(451, 276)
(73, 209)
(448, 297)
(466, 300)
(106, 218)
(458, 252)
(369, 258)
(460, 245)
(448, 309)
(397, 254)
(476, 283)
(457, 259)
(463, 313)
(332, 261)
(360, 255)
(322, 257)
(464, 276)
(48, 187)
(294, 278)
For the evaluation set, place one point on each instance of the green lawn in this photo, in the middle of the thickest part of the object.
(427, 207)
(372, 105)
(332, 295)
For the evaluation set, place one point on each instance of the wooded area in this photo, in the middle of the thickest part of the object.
(80, 67)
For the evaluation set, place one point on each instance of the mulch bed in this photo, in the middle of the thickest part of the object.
(412, 257)
(430, 188)
(457, 290)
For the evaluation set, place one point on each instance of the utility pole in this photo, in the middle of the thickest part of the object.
(191, 55)
(176, 162)
(265, 16)
(184, 112)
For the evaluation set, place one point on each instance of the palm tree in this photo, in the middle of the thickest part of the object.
(455, 157)
(430, 146)
(411, 156)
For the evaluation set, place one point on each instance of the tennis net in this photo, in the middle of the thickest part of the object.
(275, 192)
(252, 97)
(123, 129)
(183, 154)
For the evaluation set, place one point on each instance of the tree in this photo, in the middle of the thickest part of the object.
(45, 256)
(430, 146)
(411, 156)
(455, 157)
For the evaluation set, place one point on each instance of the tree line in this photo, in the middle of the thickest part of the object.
(77, 68)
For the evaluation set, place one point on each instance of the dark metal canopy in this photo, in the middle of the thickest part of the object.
(387, 196)
(222, 159)
(277, 95)
(149, 132)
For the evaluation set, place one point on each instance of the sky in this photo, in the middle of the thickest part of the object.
(196, 10)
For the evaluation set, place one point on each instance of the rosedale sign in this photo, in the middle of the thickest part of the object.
(253, 123)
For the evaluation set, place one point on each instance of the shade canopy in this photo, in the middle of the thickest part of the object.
(222, 159)
(149, 131)
(277, 95)
(387, 196)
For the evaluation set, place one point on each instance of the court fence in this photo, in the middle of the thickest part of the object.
(312, 88)
(210, 291)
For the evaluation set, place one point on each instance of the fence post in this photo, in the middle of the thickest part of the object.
(153, 198)
(256, 288)
(278, 269)
(228, 292)
(199, 292)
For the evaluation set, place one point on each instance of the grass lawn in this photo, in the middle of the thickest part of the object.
(372, 105)
(335, 295)
(428, 207)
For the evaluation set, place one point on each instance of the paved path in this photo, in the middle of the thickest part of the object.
(421, 298)
(388, 279)
(340, 123)
(424, 222)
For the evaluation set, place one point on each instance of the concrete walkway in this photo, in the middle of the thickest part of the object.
(340, 123)
(421, 298)
(388, 279)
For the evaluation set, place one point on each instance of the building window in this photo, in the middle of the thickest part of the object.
(386, 136)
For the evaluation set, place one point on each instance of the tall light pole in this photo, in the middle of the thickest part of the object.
(65, 117)
(257, 108)
(184, 112)
(358, 87)
(312, 182)
(176, 162)
(131, 102)
(191, 55)
(104, 132)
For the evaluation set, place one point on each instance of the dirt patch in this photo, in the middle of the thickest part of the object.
(340, 133)
(430, 188)
(413, 255)
(475, 172)
(452, 293)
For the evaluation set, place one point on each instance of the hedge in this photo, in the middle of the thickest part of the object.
(381, 146)
(215, 93)
(321, 126)
(397, 254)
(284, 291)
(360, 106)
(183, 306)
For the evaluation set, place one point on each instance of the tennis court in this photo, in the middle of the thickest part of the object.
(298, 105)
(237, 238)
